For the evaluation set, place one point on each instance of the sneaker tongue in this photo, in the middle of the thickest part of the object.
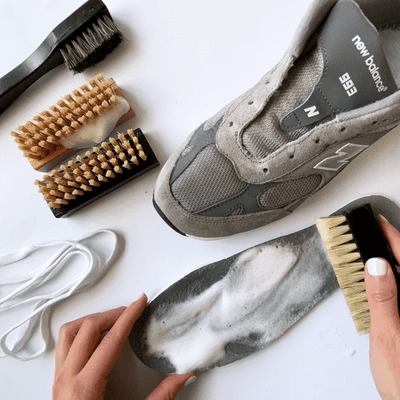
(356, 72)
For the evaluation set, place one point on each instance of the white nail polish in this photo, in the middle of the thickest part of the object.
(376, 266)
(381, 216)
(143, 294)
(190, 380)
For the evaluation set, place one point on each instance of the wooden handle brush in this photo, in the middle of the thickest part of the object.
(80, 119)
(350, 240)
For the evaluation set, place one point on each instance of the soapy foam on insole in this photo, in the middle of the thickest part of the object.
(97, 129)
(253, 304)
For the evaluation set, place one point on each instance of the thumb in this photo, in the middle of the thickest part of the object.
(169, 388)
(381, 288)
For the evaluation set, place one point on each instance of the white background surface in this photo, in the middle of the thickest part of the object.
(182, 61)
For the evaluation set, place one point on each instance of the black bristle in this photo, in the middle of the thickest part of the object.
(92, 46)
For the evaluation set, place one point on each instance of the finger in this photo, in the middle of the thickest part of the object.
(169, 388)
(88, 331)
(66, 337)
(381, 291)
(108, 351)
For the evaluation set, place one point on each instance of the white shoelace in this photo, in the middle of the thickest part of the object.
(27, 282)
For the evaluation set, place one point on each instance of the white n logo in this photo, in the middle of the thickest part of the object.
(311, 111)
(346, 152)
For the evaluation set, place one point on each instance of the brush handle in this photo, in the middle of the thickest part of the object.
(48, 56)
(369, 238)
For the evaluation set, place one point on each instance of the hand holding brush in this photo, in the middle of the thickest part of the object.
(381, 291)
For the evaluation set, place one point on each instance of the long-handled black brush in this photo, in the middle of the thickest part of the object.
(82, 40)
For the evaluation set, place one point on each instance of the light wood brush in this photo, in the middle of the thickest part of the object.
(47, 138)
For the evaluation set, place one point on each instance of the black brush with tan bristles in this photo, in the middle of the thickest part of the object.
(82, 40)
(76, 121)
(104, 169)
(350, 240)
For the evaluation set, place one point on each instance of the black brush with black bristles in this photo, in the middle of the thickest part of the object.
(102, 170)
(82, 40)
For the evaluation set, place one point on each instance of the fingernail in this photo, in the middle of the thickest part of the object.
(376, 266)
(143, 294)
(190, 380)
(381, 216)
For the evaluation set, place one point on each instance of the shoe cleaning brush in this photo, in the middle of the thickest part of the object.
(350, 241)
(104, 169)
(80, 119)
(82, 40)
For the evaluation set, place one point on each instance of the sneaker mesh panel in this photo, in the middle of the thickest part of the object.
(285, 193)
(209, 179)
(264, 135)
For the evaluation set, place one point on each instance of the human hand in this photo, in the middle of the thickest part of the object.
(385, 321)
(84, 359)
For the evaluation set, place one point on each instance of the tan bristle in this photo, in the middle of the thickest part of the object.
(56, 193)
(61, 201)
(48, 178)
(98, 170)
(102, 158)
(82, 180)
(82, 160)
(86, 167)
(90, 155)
(38, 150)
(122, 156)
(64, 189)
(94, 163)
(106, 146)
(349, 269)
(113, 141)
(47, 197)
(142, 155)
(93, 182)
(113, 161)
(61, 181)
(86, 188)
(102, 178)
(40, 183)
(89, 175)
(74, 184)
(32, 156)
(54, 205)
(105, 165)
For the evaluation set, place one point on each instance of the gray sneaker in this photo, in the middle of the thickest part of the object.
(334, 93)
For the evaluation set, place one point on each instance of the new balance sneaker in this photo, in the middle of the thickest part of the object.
(334, 93)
